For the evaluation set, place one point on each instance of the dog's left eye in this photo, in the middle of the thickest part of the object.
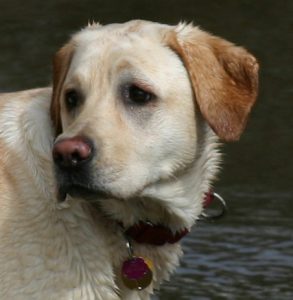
(137, 95)
(72, 99)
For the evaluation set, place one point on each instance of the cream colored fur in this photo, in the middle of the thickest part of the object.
(165, 162)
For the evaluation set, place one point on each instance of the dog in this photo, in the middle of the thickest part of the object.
(103, 173)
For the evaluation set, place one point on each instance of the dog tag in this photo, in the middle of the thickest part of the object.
(137, 273)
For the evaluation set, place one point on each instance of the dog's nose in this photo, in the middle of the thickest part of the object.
(71, 152)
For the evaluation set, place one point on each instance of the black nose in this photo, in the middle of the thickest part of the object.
(72, 152)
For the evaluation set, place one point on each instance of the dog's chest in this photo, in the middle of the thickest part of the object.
(63, 255)
(45, 257)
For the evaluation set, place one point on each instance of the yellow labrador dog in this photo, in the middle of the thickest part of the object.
(104, 173)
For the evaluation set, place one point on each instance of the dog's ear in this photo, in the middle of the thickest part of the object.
(224, 78)
(61, 63)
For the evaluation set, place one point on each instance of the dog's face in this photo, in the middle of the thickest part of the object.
(123, 104)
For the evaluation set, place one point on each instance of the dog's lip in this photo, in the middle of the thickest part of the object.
(80, 191)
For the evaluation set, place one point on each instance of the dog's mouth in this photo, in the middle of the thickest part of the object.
(84, 192)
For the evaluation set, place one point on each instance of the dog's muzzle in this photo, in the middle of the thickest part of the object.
(72, 158)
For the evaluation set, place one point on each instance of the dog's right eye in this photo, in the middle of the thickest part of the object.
(72, 99)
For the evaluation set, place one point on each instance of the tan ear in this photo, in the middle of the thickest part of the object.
(61, 63)
(224, 78)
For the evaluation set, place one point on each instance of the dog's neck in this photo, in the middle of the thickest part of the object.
(176, 203)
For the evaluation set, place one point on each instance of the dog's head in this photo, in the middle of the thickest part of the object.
(128, 100)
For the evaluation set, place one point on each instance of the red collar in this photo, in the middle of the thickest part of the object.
(146, 232)
(157, 235)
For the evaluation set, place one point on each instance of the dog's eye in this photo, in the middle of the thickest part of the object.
(137, 95)
(72, 99)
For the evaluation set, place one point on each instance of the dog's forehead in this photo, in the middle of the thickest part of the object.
(96, 39)
(112, 32)
(135, 43)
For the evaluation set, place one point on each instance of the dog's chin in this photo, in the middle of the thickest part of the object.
(82, 192)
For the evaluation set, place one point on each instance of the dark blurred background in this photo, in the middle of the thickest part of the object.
(249, 254)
